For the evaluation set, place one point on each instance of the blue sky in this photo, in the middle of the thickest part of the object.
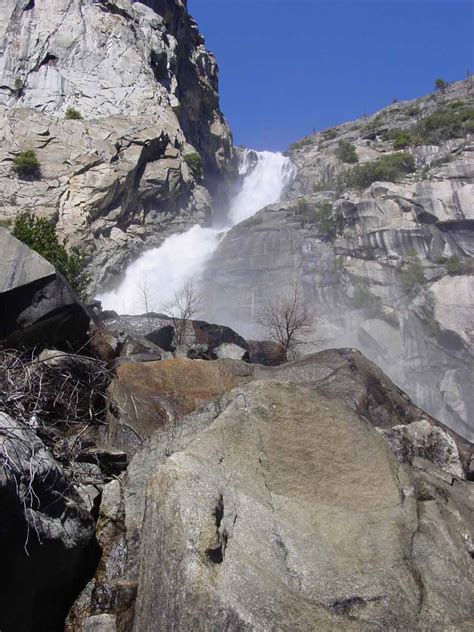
(288, 66)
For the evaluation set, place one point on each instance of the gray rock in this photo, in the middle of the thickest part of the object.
(288, 512)
(100, 623)
(47, 537)
(117, 177)
(352, 388)
(422, 439)
(231, 352)
(38, 306)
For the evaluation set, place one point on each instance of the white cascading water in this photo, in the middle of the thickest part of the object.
(160, 272)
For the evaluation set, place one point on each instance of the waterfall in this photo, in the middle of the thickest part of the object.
(151, 281)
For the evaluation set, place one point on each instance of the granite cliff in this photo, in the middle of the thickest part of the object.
(146, 90)
(384, 257)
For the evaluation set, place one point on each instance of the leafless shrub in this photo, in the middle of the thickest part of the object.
(184, 305)
(287, 319)
(58, 397)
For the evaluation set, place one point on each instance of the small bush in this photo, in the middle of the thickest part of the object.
(26, 164)
(73, 114)
(304, 142)
(456, 266)
(329, 134)
(386, 168)
(18, 85)
(325, 217)
(441, 85)
(444, 124)
(194, 162)
(346, 152)
(402, 140)
(412, 275)
(40, 235)
(412, 110)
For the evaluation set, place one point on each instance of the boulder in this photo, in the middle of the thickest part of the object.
(47, 535)
(147, 396)
(290, 512)
(162, 337)
(231, 351)
(266, 352)
(37, 305)
(215, 335)
(358, 398)
(422, 439)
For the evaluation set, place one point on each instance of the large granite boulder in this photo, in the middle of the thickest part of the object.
(326, 458)
(289, 512)
(37, 305)
(47, 534)
(145, 397)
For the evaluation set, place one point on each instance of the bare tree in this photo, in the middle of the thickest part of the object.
(185, 304)
(287, 319)
(145, 295)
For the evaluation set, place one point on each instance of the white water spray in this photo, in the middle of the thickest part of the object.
(151, 281)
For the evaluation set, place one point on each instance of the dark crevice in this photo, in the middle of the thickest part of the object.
(109, 7)
(29, 5)
(49, 59)
(346, 606)
(215, 553)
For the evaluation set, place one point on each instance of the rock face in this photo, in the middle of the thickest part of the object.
(140, 77)
(309, 494)
(387, 268)
(47, 535)
(37, 306)
(263, 522)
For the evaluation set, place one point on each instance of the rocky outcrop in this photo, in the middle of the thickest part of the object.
(145, 87)
(325, 457)
(386, 268)
(37, 306)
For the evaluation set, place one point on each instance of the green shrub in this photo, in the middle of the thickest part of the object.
(304, 142)
(346, 152)
(327, 222)
(26, 164)
(329, 134)
(40, 235)
(412, 110)
(441, 85)
(18, 85)
(386, 168)
(412, 275)
(194, 162)
(402, 140)
(456, 266)
(444, 124)
(73, 114)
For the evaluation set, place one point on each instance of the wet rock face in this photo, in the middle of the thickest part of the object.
(387, 269)
(145, 87)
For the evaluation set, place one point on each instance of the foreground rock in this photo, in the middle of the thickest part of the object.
(37, 305)
(289, 512)
(47, 534)
(280, 504)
